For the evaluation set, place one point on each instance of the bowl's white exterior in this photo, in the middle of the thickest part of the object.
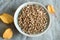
(16, 19)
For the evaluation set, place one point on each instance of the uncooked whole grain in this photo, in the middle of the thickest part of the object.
(33, 19)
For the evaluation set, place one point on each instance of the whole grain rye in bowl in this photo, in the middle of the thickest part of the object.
(33, 19)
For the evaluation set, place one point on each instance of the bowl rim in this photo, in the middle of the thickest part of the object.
(16, 19)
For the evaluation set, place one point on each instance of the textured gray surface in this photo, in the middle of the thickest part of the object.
(10, 6)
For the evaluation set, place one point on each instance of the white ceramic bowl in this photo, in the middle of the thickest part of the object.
(16, 19)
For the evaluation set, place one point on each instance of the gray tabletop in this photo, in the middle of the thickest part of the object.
(10, 6)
